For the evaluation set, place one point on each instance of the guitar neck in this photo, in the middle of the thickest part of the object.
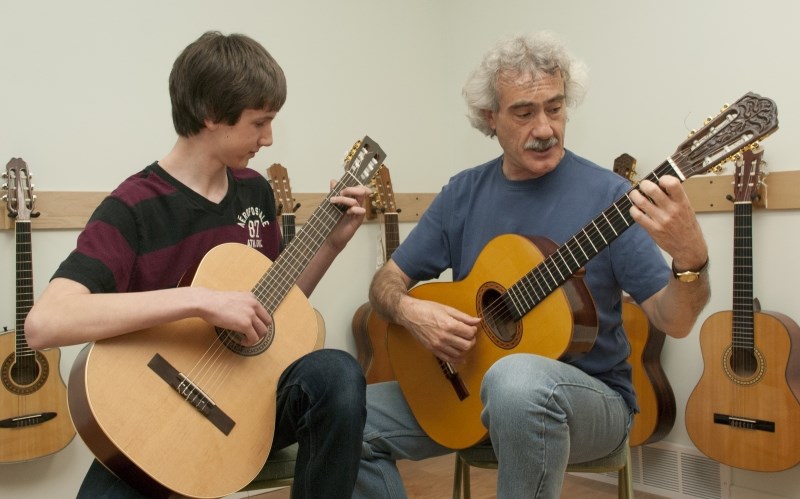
(743, 329)
(559, 266)
(24, 288)
(272, 288)
(288, 228)
(391, 231)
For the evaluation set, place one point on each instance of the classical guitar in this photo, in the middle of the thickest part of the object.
(656, 399)
(34, 421)
(530, 296)
(287, 207)
(744, 411)
(184, 408)
(369, 329)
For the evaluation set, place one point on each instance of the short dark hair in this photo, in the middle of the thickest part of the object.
(218, 76)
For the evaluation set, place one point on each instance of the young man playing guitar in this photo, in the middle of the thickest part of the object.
(124, 274)
(540, 413)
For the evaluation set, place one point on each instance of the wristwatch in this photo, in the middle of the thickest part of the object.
(689, 275)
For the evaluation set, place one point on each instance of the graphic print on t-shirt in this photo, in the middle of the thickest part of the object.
(253, 219)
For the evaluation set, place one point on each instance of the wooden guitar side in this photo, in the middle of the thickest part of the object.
(654, 393)
(370, 333)
(770, 394)
(145, 432)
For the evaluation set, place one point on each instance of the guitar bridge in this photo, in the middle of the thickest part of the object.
(27, 420)
(191, 393)
(455, 379)
(745, 423)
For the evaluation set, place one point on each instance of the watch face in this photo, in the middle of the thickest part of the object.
(688, 276)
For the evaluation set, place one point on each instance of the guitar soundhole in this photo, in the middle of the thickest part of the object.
(25, 375)
(232, 340)
(744, 366)
(498, 323)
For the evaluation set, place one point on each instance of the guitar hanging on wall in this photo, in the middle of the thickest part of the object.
(369, 329)
(286, 207)
(744, 411)
(654, 394)
(34, 421)
(531, 297)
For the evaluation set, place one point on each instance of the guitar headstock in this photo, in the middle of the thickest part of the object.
(382, 193)
(625, 166)
(19, 198)
(737, 128)
(279, 180)
(747, 177)
(364, 160)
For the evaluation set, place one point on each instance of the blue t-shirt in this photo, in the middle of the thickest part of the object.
(480, 203)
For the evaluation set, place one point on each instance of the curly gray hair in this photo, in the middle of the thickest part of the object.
(537, 54)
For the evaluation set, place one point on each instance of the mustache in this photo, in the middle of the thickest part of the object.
(540, 145)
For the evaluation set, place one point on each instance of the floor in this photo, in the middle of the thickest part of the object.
(433, 479)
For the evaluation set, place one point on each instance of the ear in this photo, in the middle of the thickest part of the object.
(489, 116)
(210, 125)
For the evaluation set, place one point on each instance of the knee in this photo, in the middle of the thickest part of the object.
(515, 385)
(342, 377)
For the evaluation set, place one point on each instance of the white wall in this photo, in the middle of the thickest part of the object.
(84, 101)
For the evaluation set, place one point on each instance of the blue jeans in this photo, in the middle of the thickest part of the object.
(321, 405)
(541, 414)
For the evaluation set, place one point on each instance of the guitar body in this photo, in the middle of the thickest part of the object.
(370, 332)
(653, 391)
(769, 395)
(563, 325)
(144, 431)
(34, 421)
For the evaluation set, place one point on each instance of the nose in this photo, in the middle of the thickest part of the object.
(542, 129)
(265, 140)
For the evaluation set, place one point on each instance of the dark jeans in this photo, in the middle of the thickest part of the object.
(320, 405)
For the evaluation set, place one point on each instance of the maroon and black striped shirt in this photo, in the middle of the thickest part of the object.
(152, 230)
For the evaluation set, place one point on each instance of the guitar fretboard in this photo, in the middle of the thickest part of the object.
(743, 327)
(391, 231)
(24, 289)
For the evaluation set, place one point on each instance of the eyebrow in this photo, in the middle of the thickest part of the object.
(554, 99)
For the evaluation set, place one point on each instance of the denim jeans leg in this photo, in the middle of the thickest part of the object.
(391, 433)
(99, 483)
(321, 405)
(542, 414)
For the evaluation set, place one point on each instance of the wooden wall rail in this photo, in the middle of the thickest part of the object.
(71, 210)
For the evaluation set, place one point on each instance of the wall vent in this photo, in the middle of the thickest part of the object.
(674, 471)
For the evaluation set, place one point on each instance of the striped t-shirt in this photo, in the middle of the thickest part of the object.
(153, 230)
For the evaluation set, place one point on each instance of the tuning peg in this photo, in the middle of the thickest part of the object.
(692, 132)
(724, 107)
(718, 168)
(4, 198)
(708, 120)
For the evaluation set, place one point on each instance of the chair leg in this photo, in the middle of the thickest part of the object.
(461, 479)
(457, 479)
(625, 481)
(465, 480)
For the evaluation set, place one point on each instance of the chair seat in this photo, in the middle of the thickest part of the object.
(278, 470)
(482, 455)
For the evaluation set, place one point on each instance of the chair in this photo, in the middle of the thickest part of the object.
(482, 456)
(279, 468)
